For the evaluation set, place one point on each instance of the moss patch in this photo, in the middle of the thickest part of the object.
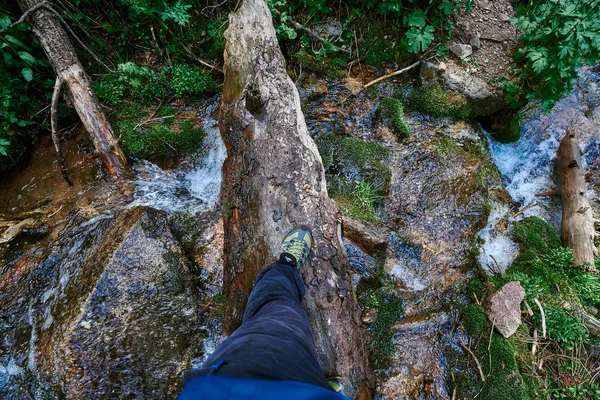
(437, 102)
(156, 141)
(357, 176)
(330, 64)
(379, 293)
(392, 113)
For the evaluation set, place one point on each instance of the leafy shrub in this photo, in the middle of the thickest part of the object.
(557, 38)
(141, 84)
(26, 82)
(393, 116)
(177, 11)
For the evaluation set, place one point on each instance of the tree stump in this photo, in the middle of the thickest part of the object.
(273, 180)
(577, 231)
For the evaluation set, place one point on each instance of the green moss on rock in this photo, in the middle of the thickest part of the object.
(474, 319)
(535, 236)
(156, 141)
(392, 113)
(377, 293)
(356, 173)
(438, 102)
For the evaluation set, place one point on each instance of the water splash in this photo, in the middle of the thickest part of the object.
(195, 185)
(498, 251)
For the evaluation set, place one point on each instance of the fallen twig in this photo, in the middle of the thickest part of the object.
(150, 117)
(527, 207)
(317, 36)
(474, 358)
(534, 345)
(536, 301)
(400, 71)
(53, 127)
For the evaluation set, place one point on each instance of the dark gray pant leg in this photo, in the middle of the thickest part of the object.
(275, 340)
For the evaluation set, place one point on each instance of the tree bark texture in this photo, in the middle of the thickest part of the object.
(55, 42)
(577, 230)
(273, 181)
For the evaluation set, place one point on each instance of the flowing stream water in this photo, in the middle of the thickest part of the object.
(429, 225)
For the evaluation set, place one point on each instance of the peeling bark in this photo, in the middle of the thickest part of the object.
(55, 42)
(577, 230)
(273, 180)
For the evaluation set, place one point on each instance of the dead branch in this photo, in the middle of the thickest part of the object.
(527, 207)
(474, 358)
(53, 127)
(400, 71)
(536, 301)
(319, 37)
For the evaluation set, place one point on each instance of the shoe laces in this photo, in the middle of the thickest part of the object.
(297, 245)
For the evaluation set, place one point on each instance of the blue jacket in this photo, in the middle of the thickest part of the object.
(226, 388)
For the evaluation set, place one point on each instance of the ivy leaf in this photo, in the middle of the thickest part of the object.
(5, 22)
(28, 58)
(419, 39)
(27, 74)
(416, 18)
(16, 41)
(446, 7)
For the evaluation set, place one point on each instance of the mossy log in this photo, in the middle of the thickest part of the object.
(577, 231)
(273, 180)
(55, 42)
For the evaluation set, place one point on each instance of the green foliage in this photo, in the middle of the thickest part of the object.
(393, 116)
(437, 102)
(323, 62)
(564, 326)
(161, 140)
(177, 12)
(557, 37)
(357, 176)
(26, 82)
(280, 10)
(139, 83)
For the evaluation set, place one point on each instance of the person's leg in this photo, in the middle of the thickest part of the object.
(275, 340)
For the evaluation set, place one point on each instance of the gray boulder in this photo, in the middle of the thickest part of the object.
(483, 99)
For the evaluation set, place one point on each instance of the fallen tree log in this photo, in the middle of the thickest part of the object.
(273, 180)
(577, 231)
(55, 42)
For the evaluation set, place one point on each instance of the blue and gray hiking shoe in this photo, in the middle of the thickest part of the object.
(295, 247)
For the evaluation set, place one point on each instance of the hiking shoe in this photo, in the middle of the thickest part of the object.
(295, 247)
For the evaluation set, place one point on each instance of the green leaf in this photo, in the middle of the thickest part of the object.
(27, 74)
(416, 18)
(446, 7)
(28, 58)
(419, 39)
(5, 22)
(16, 41)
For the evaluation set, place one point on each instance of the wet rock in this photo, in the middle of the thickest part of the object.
(111, 311)
(371, 237)
(461, 50)
(503, 308)
(482, 99)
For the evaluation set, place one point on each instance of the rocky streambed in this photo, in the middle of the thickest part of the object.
(103, 297)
